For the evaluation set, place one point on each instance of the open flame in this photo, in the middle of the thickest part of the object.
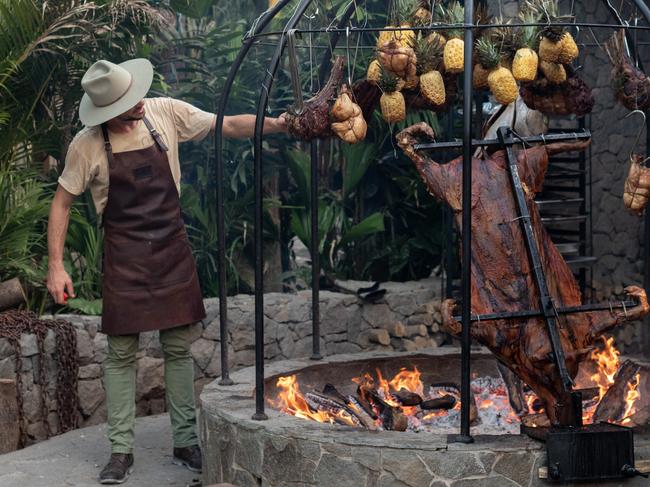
(607, 360)
(490, 400)
(630, 398)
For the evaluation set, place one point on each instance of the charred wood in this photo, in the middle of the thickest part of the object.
(407, 398)
(612, 406)
(320, 402)
(444, 402)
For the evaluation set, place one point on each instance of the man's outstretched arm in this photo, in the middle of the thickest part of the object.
(243, 126)
(58, 280)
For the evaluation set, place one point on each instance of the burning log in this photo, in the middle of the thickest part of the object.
(391, 418)
(445, 402)
(501, 270)
(454, 389)
(353, 405)
(515, 390)
(613, 406)
(341, 413)
(407, 398)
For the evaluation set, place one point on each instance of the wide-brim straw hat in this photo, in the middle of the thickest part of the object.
(112, 89)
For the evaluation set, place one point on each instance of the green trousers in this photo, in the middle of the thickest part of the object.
(119, 380)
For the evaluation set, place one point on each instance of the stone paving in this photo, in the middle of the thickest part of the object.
(75, 459)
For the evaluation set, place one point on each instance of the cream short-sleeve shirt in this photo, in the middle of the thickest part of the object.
(86, 164)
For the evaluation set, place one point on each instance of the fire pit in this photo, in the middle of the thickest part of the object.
(288, 450)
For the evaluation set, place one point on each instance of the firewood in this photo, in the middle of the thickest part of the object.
(535, 420)
(380, 336)
(361, 413)
(407, 398)
(588, 393)
(12, 294)
(9, 419)
(330, 390)
(444, 402)
(612, 406)
(416, 330)
(320, 402)
(396, 329)
(514, 388)
(454, 388)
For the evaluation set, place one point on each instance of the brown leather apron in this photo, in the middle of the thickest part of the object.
(150, 280)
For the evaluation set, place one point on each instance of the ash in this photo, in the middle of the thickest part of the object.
(495, 416)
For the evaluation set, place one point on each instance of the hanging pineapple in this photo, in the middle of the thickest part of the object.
(557, 44)
(525, 62)
(374, 71)
(429, 63)
(500, 80)
(402, 15)
(454, 53)
(392, 103)
(480, 77)
(506, 40)
(553, 72)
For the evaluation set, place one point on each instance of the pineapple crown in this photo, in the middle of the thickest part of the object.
(388, 82)
(487, 53)
(455, 15)
(548, 11)
(504, 39)
(528, 36)
(403, 11)
(428, 54)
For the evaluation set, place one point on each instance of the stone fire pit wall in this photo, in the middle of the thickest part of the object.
(406, 319)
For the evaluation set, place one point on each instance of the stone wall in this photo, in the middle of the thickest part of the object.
(406, 319)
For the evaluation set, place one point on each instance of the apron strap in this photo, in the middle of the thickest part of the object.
(107, 145)
(156, 136)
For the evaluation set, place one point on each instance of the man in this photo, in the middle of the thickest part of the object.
(128, 156)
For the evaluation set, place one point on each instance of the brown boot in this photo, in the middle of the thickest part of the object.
(118, 469)
(189, 456)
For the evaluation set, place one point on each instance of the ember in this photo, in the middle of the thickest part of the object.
(406, 402)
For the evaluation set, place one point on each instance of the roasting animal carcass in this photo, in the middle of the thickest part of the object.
(631, 85)
(502, 276)
(637, 185)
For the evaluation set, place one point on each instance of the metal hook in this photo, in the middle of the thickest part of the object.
(638, 136)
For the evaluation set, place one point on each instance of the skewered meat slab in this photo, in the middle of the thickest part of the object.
(502, 277)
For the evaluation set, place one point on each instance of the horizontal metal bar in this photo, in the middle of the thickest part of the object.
(567, 201)
(585, 308)
(535, 139)
(581, 261)
(463, 26)
(560, 219)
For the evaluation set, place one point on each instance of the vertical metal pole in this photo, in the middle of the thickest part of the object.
(315, 241)
(464, 436)
(315, 255)
(221, 225)
(259, 212)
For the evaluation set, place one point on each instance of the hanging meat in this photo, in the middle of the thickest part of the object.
(637, 185)
(313, 120)
(631, 85)
(502, 277)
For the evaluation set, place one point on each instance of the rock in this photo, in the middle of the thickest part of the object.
(150, 381)
(7, 368)
(28, 345)
(202, 351)
(339, 472)
(516, 466)
(407, 468)
(91, 395)
(85, 347)
(378, 315)
(6, 348)
(100, 344)
(90, 371)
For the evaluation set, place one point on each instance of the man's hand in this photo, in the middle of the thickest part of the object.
(58, 282)
(281, 123)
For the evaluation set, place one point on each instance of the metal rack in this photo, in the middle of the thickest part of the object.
(334, 34)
